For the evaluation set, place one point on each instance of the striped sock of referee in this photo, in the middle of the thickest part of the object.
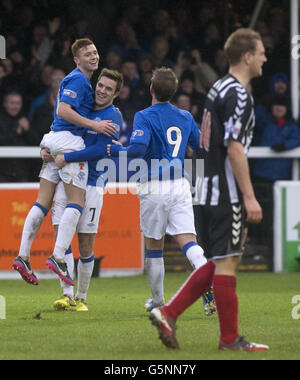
(155, 270)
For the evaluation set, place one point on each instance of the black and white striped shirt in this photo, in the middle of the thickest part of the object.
(228, 115)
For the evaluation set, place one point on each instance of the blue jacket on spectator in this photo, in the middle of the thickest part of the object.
(279, 134)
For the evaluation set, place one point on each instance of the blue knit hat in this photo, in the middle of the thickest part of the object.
(279, 77)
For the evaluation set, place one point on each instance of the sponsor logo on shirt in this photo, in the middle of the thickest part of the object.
(70, 93)
(137, 133)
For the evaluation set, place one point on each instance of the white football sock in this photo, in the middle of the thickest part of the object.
(84, 272)
(68, 290)
(155, 269)
(32, 225)
(195, 255)
(66, 231)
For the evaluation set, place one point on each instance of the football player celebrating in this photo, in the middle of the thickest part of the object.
(227, 198)
(74, 103)
(160, 135)
(107, 89)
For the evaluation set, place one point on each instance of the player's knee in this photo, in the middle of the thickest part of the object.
(228, 265)
(85, 245)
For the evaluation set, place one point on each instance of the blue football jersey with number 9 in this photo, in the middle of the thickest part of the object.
(166, 131)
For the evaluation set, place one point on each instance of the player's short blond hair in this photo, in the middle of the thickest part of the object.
(240, 42)
(80, 43)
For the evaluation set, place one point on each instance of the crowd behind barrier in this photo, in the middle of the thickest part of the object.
(136, 37)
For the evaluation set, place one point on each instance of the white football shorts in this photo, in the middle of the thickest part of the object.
(64, 142)
(89, 219)
(166, 208)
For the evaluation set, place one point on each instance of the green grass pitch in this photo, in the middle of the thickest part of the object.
(117, 327)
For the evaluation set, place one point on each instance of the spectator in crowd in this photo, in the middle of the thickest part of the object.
(278, 130)
(141, 96)
(160, 51)
(148, 35)
(220, 64)
(126, 41)
(2, 71)
(9, 67)
(40, 49)
(113, 59)
(279, 85)
(145, 64)
(275, 128)
(187, 85)
(2, 80)
(14, 131)
(203, 75)
(61, 55)
(127, 107)
(13, 80)
(39, 84)
(57, 76)
(130, 72)
(212, 39)
(183, 101)
(42, 117)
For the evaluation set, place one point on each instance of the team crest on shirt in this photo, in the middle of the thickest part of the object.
(70, 93)
(137, 133)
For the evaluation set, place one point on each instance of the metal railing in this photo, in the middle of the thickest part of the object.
(255, 152)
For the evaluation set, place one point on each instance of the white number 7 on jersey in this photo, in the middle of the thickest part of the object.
(177, 142)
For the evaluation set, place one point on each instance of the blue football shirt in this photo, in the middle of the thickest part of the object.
(96, 144)
(75, 90)
(166, 131)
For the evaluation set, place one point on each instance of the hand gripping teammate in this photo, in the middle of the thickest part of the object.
(74, 103)
(227, 195)
(160, 135)
(107, 89)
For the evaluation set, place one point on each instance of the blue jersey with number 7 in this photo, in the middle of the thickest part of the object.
(166, 131)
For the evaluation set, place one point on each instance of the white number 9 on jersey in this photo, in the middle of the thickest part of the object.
(177, 141)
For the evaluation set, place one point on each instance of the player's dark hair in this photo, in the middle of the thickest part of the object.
(113, 75)
(240, 42)
(164, 83)
(78, 44)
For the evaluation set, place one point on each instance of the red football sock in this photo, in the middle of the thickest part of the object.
(227, 305)
(195, 286)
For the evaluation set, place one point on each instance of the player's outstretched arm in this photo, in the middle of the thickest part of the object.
(66, 112)
(240, 167)
(133, 150)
